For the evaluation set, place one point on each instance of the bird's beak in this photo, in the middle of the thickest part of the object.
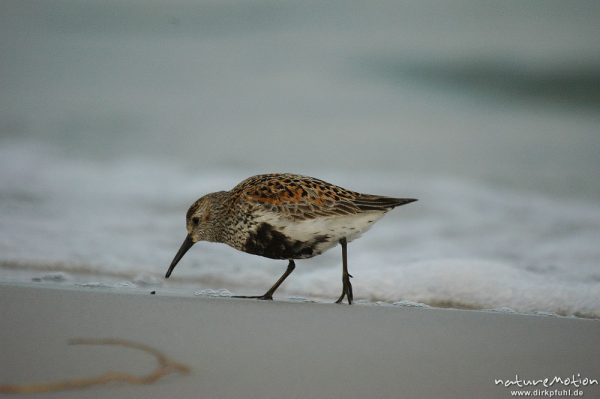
(187, 244)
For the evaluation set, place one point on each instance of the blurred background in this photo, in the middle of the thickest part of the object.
(116, 115)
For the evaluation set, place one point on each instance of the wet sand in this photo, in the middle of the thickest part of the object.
(249, 349)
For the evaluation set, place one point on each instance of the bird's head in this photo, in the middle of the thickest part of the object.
(203, 223)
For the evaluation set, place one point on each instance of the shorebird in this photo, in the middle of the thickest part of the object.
(285, 216)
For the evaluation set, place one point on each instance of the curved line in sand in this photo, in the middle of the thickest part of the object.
(165, 367)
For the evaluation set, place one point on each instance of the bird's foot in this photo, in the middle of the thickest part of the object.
(265, 297)
(346, 290)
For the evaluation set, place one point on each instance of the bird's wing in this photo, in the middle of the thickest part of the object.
(301, 198)
(296, 197)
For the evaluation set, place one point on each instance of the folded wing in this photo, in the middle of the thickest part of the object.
(301, 198)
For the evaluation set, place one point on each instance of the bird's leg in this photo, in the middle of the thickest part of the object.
(347, 286)
(269, 294)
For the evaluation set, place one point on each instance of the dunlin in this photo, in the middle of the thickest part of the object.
(285, 216)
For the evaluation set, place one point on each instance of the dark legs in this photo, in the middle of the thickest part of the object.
(269, 294)
(347, 286)
(346, 289)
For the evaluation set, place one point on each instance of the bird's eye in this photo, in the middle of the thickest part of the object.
(195, 220)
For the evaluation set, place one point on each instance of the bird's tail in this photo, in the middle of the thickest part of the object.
(366, 202)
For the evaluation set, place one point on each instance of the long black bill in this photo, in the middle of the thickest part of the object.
(187, 244)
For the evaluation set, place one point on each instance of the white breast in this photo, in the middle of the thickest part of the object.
(335, 227)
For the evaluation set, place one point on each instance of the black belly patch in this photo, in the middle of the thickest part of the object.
(270, 243)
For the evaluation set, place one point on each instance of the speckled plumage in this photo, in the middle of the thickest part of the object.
(284, 216)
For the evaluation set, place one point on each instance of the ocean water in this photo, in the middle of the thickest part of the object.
(116, 116)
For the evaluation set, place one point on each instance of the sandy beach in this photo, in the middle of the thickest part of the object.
(245, 348)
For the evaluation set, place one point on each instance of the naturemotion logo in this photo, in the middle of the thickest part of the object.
(547, 386)
(547, 382)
